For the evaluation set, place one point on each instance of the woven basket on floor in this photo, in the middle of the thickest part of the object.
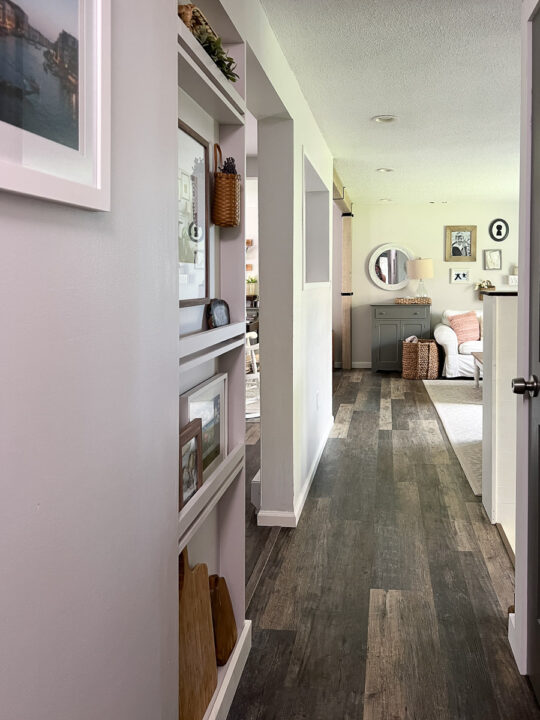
(226, 203)
(420, 360)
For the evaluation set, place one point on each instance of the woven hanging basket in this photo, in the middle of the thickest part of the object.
(226, 203)
(420, 360)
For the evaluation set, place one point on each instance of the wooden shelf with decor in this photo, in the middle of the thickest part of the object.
(211, 523)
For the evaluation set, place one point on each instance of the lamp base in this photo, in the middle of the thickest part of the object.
(421, 291)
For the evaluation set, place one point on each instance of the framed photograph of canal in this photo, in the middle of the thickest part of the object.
(55, 100)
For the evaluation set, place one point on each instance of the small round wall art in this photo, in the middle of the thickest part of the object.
(498, 230)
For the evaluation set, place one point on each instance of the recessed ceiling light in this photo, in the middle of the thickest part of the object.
(385, 200)
(384, 118)
(384, 170)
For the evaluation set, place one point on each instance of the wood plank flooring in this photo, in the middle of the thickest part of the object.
(389, 600)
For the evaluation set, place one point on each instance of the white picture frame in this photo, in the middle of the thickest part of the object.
(31, 163)
(460, 276)
(492, 259)
(209, 401)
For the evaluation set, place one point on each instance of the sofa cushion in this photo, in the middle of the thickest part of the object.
(466, 327)
(467, 348)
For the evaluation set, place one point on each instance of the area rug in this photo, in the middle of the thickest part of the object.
(459, 406)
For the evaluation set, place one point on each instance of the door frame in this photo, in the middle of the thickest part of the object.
(518, 625)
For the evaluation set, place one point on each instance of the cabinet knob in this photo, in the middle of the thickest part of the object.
(416, 313)
(382, 313)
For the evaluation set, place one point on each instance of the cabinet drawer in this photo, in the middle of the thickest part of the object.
(401, 312)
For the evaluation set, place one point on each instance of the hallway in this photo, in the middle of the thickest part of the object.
(389, 600)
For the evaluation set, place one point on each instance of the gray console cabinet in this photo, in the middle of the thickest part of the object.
(390, 325)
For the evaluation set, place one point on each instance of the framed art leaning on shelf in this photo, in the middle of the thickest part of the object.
(208, 401)
(193, 223)
(191, 473)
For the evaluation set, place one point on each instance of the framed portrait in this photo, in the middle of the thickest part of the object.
(459, 276)
(193, 225)
(208, 401)
(55, 100)
(191, 470)
(492, 259)
(460, 243)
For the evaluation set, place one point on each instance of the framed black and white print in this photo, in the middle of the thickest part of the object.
(492, 259)
(55, 108)
(193, 191)
(498, 230)
(460, 243)
(459, 276)
(190, 465)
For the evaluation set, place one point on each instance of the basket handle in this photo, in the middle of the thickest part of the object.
(217, 150)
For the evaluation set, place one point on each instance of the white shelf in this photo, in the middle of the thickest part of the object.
(198, 342)
(195, 512)
(229, 676)
(199, 76)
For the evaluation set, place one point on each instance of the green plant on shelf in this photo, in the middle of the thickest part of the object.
(217, 52)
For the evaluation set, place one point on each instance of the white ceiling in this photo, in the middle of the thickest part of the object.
(449, 69)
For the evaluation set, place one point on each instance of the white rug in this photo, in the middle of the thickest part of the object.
(459, 405)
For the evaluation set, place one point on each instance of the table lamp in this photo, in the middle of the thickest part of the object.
(420, 269)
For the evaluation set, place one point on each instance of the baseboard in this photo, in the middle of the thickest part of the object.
(256, 491)
(506, 544)
(338, 365)
(301, 500)
(273, 518)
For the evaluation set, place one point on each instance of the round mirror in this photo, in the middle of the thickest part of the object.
(388, 267)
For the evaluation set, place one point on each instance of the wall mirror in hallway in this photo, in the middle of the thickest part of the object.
(388, 267)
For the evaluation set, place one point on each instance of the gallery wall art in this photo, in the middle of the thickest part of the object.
(460, 243)
(55, 100)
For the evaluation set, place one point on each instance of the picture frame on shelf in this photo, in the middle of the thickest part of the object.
(492, 259)
(460, 276)
(460, 243)
(193, 216)
(209, 401)
(55, 101)
(191, 465)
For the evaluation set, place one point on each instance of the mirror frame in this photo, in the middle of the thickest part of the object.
(373, 259)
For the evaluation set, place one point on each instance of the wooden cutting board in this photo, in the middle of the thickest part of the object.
(225, 633)
(198, 668)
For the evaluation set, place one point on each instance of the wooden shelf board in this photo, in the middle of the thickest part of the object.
(229, 676)
(197, 342)
(195, 512)
(205, 83)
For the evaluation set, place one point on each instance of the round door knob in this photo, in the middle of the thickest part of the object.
(531, 387)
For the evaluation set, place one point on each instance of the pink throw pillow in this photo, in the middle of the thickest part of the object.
(465, 326)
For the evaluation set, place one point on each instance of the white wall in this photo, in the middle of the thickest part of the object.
(421, 228)
(252, 224)
(292, 480)
(89, 417)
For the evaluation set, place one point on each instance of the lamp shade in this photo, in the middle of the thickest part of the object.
(420, 269)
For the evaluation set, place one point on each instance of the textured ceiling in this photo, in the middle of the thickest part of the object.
(449, 69)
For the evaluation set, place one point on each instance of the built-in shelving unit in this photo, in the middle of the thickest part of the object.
(205, 83)
(214, 516)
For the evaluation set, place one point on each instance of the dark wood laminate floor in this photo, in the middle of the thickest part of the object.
(388, 602)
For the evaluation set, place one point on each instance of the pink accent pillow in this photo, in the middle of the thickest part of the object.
(465, 326)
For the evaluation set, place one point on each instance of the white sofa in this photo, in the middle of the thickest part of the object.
(458, 359)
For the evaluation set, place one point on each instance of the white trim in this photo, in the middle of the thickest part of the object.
(302, 497)
(280, 518)
(361, 365)
(229, 677)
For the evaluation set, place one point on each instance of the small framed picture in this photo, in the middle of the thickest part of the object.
(499, 229)
(460, 243)
(191, 468)
(459, 276)
(208, 401)
(492, 259)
